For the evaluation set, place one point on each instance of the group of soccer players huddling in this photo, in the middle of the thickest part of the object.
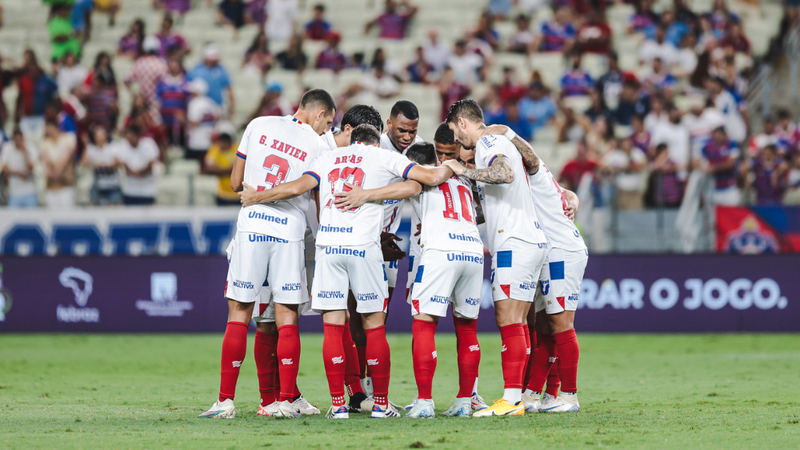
(315, 196)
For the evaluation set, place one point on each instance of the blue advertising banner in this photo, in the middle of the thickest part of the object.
(647, 293)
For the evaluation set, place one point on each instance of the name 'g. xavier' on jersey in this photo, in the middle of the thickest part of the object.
(362, 165)
(551, 205)
(448, 217)
(277, 150)
(508, 208)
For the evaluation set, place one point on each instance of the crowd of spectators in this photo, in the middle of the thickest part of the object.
(641, 131)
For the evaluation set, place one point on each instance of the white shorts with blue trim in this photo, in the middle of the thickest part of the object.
(448, 277)
(560, 280)
(254, 258)
(515, 270)
(413, 265)
(339, 269)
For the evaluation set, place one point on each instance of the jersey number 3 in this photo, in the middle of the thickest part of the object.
(277, 168)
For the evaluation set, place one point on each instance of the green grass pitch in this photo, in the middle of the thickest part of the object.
(636, 391)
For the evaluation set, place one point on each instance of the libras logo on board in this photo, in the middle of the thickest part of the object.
(81, 284)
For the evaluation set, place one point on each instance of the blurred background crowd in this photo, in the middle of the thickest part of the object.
(108, 102)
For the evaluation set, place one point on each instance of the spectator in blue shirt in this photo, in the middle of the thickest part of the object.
(675, 29)
(215, 76)
(317, 29)
(512, 118)
(576, 82)
(537, 107)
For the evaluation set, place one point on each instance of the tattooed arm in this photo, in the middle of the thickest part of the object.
(499, 172)
(529, 156)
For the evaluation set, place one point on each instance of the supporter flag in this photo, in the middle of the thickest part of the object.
(756, 230)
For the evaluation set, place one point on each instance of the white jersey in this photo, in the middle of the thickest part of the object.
(277, 150)
(448, 217)
(551, 205)
(365, 166)
(330, 138)
(393, 208)
(414, 248)
(508, 207)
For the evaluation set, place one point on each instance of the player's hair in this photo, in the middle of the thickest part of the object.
(467, 108)
(360, 114)
(318, 99)
(444, 135)
(366, 134)
(406, 108)
(422, 153)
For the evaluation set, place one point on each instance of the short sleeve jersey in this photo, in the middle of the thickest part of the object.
(277, 150)
(365, 166)
(448, 217)
(508, 207)
(551, 205)
(393, 208)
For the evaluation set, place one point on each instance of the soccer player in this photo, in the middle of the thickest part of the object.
(560, 284)
(349, 255)
(401, 131)
(446, 149)
(355, 340)
(450, 272)
(516, 241)
(268, 244)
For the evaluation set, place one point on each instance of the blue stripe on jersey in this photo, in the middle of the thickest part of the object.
(241, 155)
(312, 174)
(557, 270)
(410, 263)
(418, 279)
(266, 283)
(504, 258)
(405, 172)
(493, 158)
(385, 278)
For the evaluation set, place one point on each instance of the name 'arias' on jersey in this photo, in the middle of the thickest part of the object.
(448, 217)
(277, 150)
(365, 166)
(551, 207)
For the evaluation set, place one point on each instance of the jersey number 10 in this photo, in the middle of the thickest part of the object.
(465, 196)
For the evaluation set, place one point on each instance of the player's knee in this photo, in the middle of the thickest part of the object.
(560, 322)
(239, 312)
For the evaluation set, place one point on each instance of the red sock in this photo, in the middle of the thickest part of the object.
(541, 361)
(568, 354)
(424, 356)
(513, 355)
(529, 349)
(380, 363)
(362, 360)
(351, 371)
(234, 349)
(334, 357)
(469, 355)
(553, 380)
(288, 359)
(266, 365)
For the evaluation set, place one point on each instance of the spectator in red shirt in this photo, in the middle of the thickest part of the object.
(147, 70)
(451, 91)
(594, 36)
(736, 39)
(331, 58)
(510, 90)
(576, 168)
(392, 23)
